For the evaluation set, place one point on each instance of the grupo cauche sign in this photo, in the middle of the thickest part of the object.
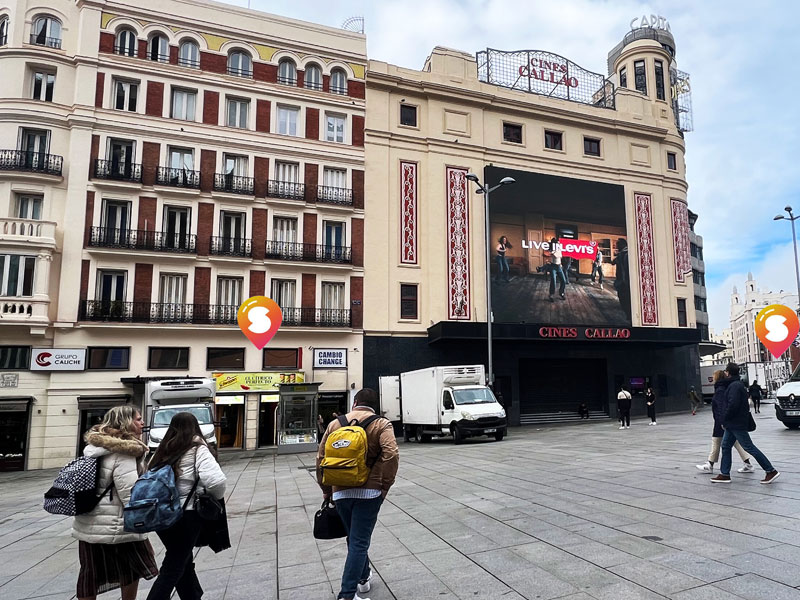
(58, 359)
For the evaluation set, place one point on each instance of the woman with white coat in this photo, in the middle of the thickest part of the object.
(110, 557)
(196, 472)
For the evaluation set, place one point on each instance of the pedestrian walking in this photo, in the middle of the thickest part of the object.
(755, 395)
(583, 410)
(597, 267)
(111, 558)
(650, 400)
(695, 400)
(359, 506)
(320, 427)
(196, 472)
(737, 424)
(719, 405)
(624, 401)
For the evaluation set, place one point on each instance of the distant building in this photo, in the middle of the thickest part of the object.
(724, 338)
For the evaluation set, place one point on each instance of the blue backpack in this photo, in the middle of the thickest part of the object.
(155, 503)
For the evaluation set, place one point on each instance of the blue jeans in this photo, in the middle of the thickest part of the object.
(503, 270)
(597, 269)
(359, 517)
(557, 271)
(729, 438)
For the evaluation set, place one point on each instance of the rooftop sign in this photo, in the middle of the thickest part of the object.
(654, 21)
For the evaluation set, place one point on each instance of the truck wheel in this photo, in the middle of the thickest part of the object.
(457, 437)
(792, 425)
(498, 437)
(420, 437)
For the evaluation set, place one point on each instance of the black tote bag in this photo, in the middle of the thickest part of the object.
(328, 524)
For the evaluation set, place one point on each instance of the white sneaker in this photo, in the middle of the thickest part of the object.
(364, 585)
(623, 427)
(705, 468)
(747, 468)
(627, 426)
(356, 597)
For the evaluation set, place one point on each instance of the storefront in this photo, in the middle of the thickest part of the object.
(14, 431)
(230, 419)
(297, 423)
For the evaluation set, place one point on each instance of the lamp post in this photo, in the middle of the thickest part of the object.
(482, 189)
(792, 218)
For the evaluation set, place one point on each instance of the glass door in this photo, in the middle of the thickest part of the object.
(116, 219)
(110, 294)
(172, 297)
(34, 144)
(121, 157)
(231, 226)
(333, 240)
(176, 227)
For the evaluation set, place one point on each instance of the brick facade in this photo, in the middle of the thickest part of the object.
(107, 41)
(358, 130)
(211, 108)
(311, 177)
(142, 49)
(155, 99)
(83, 293)
(151, 154)
(173, 55)
(309, 228)
(309, 294)
(143, 283)
(312, 123)
(94, 154)
(356, 302)
(147, 213)
(357, 241)
(88, 218)
(205, 227)
(355, 88)
(263, 108)
(208, 166)
(265, 72)
(99, 90)
(214, 63)
(258, 282)
(202, 285)
(259, 232)
(261, 176)
(358, 188)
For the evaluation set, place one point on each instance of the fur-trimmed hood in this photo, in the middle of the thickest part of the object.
(115, 441)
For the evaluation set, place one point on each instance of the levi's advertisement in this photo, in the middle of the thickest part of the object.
(559, 254)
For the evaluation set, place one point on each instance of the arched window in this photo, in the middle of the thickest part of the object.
(189, 54)
(46, 32)
(158, 49)
(313, 77)
(126, 43)
(3, 31)
(240, 64)
(339, 81)
(287, 72)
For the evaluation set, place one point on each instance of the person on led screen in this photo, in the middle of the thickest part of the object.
(556, 271)
(597, 267)
(622, 280)
(502, 262)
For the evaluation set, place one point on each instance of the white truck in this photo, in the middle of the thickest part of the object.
(787, 401)
(165, 398)
(440, 401)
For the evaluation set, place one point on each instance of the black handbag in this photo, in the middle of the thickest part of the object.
(751, 422)
(208, 507)
(328, 524)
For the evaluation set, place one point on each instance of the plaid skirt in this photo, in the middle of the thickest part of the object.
(107, 567)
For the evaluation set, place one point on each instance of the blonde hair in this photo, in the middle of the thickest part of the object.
(119, 418)
(718, 375)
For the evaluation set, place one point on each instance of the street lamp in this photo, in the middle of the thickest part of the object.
(792, 218)
(486, 191)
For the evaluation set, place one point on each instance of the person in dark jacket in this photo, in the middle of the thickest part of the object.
(650, 400)
(624, 401)
(735, 422)
(719, 404)
(583, 410)
(622, 281)
(755, 395)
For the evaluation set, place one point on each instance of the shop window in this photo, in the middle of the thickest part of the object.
(224, 358)
(512, 133)
(15, 357)
(672, 161)
(109, 357)
(553, 140)
(682, 320)
(408, 115)
(160, 357)
(591, 146)
(281, 358)
(408, 301)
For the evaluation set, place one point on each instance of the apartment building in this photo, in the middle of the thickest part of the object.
(162, 163)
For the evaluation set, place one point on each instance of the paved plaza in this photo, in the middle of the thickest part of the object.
(576, 512)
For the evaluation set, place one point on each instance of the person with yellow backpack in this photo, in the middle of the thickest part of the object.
(356, 465)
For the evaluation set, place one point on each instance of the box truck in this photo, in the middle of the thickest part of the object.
(165, 398)
(441, 401)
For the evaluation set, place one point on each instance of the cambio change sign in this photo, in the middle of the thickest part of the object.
(58, 359)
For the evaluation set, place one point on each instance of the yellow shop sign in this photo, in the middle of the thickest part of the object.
(254, 382)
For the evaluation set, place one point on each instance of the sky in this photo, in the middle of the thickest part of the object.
(742, 157)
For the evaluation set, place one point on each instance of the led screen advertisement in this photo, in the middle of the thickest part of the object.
(559, 251)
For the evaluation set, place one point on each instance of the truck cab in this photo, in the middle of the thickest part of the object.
(787, 402)
(165, 398)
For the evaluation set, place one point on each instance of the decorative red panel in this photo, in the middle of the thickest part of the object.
(408, 213)
(458, 293)
(680, 238)
(647, 259)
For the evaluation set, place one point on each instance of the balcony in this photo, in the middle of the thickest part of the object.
(32, 162)
(27, 233)
(24, 311)
(40, 40)
(285, 189)
(334, 195)
(125, 50)
(315, 317)
(247, 73)
(116, 171)
(136, 239)
(231, 246)
(233, 184)
(179, 178)
(308, 252)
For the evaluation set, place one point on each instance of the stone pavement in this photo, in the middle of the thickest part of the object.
(576, 512)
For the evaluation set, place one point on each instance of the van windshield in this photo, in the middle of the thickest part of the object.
(474, 396)
(162, 417)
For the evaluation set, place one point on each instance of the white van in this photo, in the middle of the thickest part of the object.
(787, 404)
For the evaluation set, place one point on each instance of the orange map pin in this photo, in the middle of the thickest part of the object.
(259, 318)
(777, 326)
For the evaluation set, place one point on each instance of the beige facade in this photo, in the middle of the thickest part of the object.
(161, 163)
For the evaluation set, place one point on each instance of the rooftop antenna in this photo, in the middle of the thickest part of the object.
(354, 24)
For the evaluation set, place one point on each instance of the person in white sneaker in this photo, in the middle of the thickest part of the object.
(650, 400)
(624, 401)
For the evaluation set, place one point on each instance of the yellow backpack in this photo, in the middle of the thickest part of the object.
(345, 462)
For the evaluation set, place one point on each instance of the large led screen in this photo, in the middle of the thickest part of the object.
(559, 250)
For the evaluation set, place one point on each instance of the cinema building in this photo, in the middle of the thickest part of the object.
(162, 162)
(598, 165)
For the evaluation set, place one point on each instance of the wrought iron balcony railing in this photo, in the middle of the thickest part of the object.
(35, 162)
(339, 89)
(182, 178)
(248, 73)
(233, 184)
(124, 50)
(334, 195)
(308, 252)
(41, 40)
(188, 62)
(136, 239)
(312, 85)
(286, 189)
(118, 171)
(287, 80)
(231, 246)
(316, 317)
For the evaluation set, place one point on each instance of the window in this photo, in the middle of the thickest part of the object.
(660, 80)
(623, 77)
(237, 113)
(229, 291)
(283, 292)
(109, 357)
(313, 77)
(43, 84)
(126, 93)
(29, 207)
(120, 158)
(339, 82)
(591, 146)
(334, 129)
(672, 161)
(160, 357)
(332, 296)
(3, 31)
(115, 221)
(46, 32)
(553, 140)
(16, 275)
(181, 158)
(183, 104)
(235, 165)
(172, 297)
(240, 64)
(700, 278)
(125, 44)
(110, 288)
(334, 178)
(408, 115)
(333, 239)
(284, 229)
(408, 301)
(682, 312)
(280, 358)
(176, 226)
(640, 76)
(189, 55)
(287, 72)
(287, 172)
(512, 133)
(287, 120)
(224, 358)
(231, 232)
(15, 357)
(158, 49)
(703, 329)
(700, 304)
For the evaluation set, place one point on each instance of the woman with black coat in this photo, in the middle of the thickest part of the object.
(650, 400)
